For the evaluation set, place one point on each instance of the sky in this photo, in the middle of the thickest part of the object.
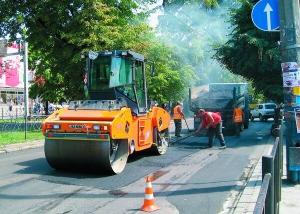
(153, 18)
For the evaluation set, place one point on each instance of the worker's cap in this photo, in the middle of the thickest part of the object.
(234, 105)
(179, 103)
(201, 110)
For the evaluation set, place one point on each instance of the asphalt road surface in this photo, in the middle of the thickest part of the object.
(189, 178)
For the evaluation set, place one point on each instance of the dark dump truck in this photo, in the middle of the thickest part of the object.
(220, 98)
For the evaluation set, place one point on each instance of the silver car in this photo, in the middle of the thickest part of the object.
(263, 111)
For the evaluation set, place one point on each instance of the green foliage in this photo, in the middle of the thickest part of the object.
(207, 3)
(173, 78)
(252, 53)
(58, 32)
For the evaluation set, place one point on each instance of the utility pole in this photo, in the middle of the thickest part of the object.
(290, 52)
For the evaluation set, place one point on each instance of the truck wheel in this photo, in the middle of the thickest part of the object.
(252, 118)
(261, 118)
(160, 141)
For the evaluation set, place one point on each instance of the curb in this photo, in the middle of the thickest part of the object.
(21, 146)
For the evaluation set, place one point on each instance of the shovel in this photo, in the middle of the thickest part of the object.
(187, 125)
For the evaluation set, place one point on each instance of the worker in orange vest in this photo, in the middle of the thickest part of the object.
(238, 117)
(178, 116)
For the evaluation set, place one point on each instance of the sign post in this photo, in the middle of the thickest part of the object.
(25, 83)
(290, 52)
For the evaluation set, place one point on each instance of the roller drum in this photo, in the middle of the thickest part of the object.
(101, 156)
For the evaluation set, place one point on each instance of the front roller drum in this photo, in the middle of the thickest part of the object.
(101, 156)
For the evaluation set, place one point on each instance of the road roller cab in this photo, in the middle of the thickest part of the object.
(100, 132)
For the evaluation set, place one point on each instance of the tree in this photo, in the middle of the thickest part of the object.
(252, 53)
(58, 32)
(207, 3)
(173, 77)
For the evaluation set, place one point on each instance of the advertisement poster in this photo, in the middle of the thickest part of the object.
(289, 67)
(297, 119)
(12, 69)
(291, 84)
(291, 79)
(290, 74)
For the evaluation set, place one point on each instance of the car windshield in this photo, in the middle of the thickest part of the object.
(270, 106)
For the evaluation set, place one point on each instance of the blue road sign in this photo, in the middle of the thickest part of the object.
(265, 15)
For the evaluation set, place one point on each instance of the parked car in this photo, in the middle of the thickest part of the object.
(263, 111)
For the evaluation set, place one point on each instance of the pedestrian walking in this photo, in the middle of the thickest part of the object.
(212, 122)
(10, 105)
(178, 116)
(238, 118)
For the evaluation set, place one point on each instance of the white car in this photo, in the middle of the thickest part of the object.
(263, 111)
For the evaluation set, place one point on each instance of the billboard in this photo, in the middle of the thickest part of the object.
(12, 68)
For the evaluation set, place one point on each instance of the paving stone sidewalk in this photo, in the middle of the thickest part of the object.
(290, 193)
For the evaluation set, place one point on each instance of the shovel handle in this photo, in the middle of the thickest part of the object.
(186, 123)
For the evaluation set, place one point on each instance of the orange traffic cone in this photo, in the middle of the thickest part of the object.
(149, 204)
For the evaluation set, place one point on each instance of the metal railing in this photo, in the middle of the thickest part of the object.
(14, 120)
(261, 201)
(18, 112)
(272, 171)
(15, 113)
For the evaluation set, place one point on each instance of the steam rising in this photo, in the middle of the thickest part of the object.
(192, 29)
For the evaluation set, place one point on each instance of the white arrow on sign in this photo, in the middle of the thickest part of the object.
(268, 10)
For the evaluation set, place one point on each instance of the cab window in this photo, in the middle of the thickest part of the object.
(140, 84)
(100, 72)
(121, 72)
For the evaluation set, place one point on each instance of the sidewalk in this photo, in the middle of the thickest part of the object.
(21, 146)
(290, 193)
